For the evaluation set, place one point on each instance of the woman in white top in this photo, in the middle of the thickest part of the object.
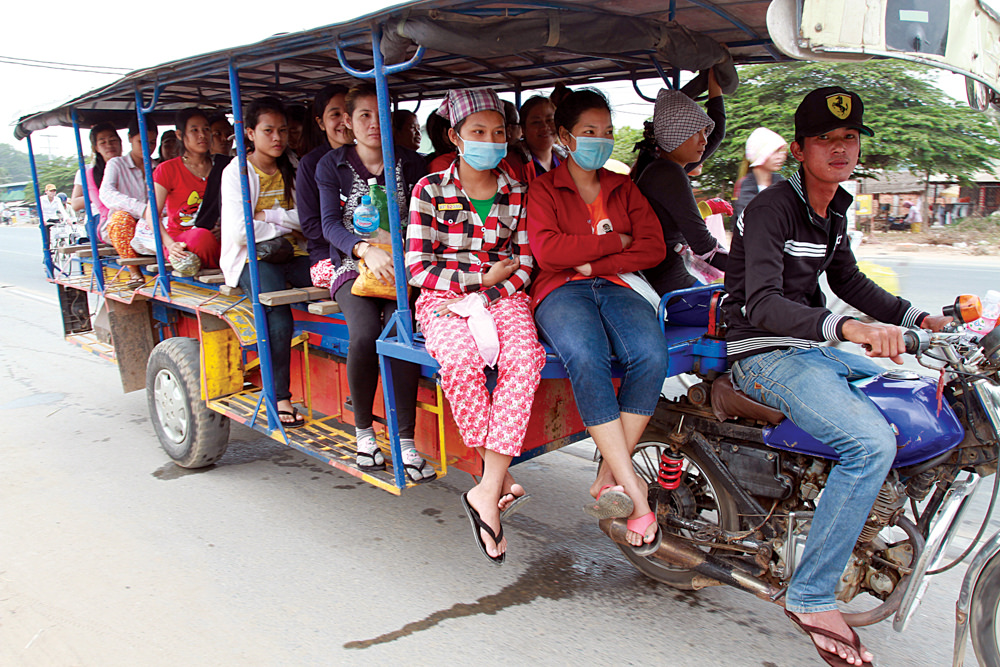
(276, 223)
(124, 192)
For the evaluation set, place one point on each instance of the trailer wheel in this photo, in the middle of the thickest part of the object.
(190, 433)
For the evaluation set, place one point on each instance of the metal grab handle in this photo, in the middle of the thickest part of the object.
(370, 74)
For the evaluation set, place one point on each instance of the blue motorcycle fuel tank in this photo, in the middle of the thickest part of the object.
(908, 402)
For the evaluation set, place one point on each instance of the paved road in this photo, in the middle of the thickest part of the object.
(111, 555)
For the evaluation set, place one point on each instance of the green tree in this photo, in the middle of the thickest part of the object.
(917, 127)
(59, 171)
(625, 140)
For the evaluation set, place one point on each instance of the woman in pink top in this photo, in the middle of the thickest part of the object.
(180, 186)
(106, 144)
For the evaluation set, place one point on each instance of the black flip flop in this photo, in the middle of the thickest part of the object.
(477, 524)
(299, 419)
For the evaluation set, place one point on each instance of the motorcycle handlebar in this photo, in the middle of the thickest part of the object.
(917, 341)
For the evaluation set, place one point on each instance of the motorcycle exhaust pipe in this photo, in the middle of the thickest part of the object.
(677, 552)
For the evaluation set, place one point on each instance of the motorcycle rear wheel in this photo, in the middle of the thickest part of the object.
(984, 614)
(701, 495)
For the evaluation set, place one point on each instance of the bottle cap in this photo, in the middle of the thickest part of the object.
(366, 200)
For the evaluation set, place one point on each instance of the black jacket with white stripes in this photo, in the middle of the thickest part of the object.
(780, 248)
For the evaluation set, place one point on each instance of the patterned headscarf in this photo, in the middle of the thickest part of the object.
(460, 104)
(676, 117)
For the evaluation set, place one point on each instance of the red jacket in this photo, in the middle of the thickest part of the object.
(560, 235)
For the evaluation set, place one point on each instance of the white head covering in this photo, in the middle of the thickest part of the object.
(761, 144)
(676, 117)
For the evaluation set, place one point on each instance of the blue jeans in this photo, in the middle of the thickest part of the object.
(585, 322)
(812, 388)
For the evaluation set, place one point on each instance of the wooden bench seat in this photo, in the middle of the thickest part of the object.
(210, 277)
(137, 261)
(297, 295)
(324, 308)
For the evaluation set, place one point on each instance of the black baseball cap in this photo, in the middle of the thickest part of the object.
(829, 108)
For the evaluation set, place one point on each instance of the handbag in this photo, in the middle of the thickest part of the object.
(275, 251)
(366, 284)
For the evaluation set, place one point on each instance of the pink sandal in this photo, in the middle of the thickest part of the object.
(612, 503)
(640, 526)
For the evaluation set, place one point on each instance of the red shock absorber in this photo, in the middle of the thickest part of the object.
(670, 471)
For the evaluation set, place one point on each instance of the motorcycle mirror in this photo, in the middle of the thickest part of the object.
(990, 344)
(967, 308)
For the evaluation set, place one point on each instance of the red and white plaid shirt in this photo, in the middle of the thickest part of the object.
(449, 248)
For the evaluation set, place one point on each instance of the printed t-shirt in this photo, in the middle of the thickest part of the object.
(184, 194)
(600, 224)
(272, 195)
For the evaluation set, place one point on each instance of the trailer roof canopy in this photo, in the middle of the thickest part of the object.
(504, 45)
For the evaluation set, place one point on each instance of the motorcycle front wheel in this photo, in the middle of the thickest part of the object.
(701, 496)
(984, 614)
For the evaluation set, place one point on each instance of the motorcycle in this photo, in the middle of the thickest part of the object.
(734, 483)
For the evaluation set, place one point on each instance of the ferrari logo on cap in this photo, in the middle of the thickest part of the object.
(839, 105)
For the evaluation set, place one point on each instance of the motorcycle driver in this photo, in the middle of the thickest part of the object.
(53, 210)
(783, 241)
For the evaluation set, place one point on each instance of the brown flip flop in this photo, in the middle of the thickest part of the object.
(830, 657)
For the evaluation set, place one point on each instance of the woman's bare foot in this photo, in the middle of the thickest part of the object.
(604, 478)
(512, 491)
(639, 494)
(286, 407)
(488, 510)
(833, 621)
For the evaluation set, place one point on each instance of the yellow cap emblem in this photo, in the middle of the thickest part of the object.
(839, 105)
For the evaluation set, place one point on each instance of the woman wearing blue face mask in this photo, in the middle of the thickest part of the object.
(467, 251)
(590, 230)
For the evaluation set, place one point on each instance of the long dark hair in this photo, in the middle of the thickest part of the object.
(99, 162)
(314, 135)
(573, 105)
(181, 121)
(251, 116)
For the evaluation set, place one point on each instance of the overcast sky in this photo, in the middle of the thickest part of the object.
(109, 33)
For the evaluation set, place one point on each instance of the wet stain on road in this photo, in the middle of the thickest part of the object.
(30, 401)
(435, 513)
(555, 576)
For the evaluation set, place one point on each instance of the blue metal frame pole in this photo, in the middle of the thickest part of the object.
(162, 278)
(401, 319)
(91, 222)
(47, 256)
(259, 314)
(404, 325)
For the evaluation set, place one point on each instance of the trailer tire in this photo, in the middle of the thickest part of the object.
(193, 435)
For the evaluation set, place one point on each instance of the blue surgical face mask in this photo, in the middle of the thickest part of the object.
(482, 155)
(592, 152)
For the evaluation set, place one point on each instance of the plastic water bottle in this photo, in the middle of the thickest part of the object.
(366, 217)
(991, 312)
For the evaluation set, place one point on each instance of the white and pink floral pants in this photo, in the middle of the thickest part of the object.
(497, 423)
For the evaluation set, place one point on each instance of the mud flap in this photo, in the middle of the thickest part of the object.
(132, 336)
